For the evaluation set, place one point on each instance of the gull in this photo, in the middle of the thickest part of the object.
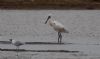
(16, 43)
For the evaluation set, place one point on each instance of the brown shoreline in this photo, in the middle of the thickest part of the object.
(46, 4)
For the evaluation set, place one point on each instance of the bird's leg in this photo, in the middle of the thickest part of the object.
(17, 48)
(60, 36)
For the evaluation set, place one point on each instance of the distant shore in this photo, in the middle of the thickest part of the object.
(53, 4)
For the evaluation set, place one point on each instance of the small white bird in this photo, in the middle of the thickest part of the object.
(17, 44)
(57, 27)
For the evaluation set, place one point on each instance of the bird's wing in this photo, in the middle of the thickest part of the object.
(58, 24)
(19, 43)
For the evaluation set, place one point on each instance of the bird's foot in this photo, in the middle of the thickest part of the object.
(59, 42)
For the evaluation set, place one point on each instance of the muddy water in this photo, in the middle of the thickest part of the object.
(28, 25)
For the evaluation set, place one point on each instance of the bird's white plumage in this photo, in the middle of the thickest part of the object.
(17, 43)
(57, 26)
(13, 42)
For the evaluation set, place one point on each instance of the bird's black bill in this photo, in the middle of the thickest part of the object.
(47, 19)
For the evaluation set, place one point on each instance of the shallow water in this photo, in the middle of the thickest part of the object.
(28, 25)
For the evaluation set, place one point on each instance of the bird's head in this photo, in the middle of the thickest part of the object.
(10, 40)
(49, 16)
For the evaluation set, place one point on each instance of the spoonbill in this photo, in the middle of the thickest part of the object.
(57, 26)
(16, 43)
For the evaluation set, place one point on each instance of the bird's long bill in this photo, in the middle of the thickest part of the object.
(47, 19)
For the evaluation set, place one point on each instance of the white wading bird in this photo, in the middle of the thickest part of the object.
(57, 27)
(17, 44)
